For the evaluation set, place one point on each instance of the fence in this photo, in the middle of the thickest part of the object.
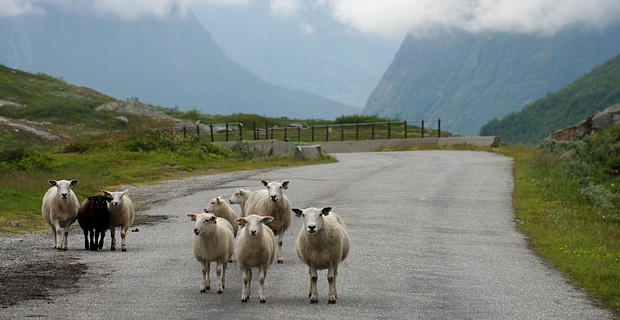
(317, 133)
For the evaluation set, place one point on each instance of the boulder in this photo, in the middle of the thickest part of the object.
(606, 118)
(308, 152)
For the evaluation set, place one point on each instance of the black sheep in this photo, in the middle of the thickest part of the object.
(94, 219)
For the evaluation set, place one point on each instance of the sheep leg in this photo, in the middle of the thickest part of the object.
(332, 272)
(262, 273)
(314, 295)
(65, 233)
(101, 240)
(204, 285)
(54, 238)
(224, 268)
(86, 247)
(93, 244)
(218, 273)
(123, 234)
(280, 236)
(113, 238)
(61, 242)
(247, 278)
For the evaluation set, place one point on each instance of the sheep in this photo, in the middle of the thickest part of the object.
(122, 213)
(323, 243)
(240, 197)
(214, 242)
(255, 248)
(60, 208)
(220, 208)
(271, 202)
(94, 219)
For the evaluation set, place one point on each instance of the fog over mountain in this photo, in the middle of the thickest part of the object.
(169, 60)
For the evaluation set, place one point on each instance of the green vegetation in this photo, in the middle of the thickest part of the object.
(566, 202)
(586, 96)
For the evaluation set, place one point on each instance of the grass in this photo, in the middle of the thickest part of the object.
(564, 228)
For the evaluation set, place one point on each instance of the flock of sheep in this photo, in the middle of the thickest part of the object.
(323, 240)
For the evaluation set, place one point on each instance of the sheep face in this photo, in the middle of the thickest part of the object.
(237, 197)
(213, 204)
(275, 189)
(312, 217)
(204, 221)
(252, 224)
(63, 187)
(99, 202)
(116, 196)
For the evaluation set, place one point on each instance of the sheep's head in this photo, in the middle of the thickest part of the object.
(100, 202)
(63, 187)
(275, 189)
(312, 217)
(214, 204)
(115, 195)
(238, 196)
(204, 221)
(252, 224)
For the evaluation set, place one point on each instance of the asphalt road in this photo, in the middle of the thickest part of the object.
(432, 237)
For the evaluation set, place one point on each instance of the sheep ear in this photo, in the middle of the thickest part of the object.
(192, 216)
(241, 221)
(265, 183)
(267, 219)
(91, 198)
(106, 193)
(285, 185)
(325, 211)
(214, 219)
(297, 212)
(217, 199)
(108, 199)
(74, 182)
(52, 182)
(240, 192)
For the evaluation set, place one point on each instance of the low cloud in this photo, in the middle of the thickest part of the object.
(419, 17)
(389, 18)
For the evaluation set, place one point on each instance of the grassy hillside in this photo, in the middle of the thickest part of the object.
(595, 91)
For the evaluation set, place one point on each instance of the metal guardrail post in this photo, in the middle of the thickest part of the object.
(422, 128)
(211, 128)
(438, 128)
(405, 123)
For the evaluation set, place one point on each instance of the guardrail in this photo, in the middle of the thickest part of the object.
(235, 131)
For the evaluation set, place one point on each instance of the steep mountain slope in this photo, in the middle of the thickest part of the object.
(467, 80)
(169, 61)
(307, 51)
(587, 95)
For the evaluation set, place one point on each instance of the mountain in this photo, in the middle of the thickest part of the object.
(468, 79)
(307, 51)
(591, 93)
(169, 61)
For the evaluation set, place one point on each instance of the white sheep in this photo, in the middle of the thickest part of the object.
(122, 213)
(323, 243)
(272, 202)
(240, 197)
(255, 248)
(214, 242)
(220, 208)
(60, 209)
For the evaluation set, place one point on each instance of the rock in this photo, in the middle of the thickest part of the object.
(606, 118)
(308, 152)
(122, 119)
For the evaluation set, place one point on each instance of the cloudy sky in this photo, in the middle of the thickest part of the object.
(388, 18)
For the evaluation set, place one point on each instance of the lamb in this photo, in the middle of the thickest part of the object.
(122, 213)
(271, 202)
(94, 219)
(60, 208)
(214, 242)
(240, 197)
(323, 243)
(220, 208)
(255, 248)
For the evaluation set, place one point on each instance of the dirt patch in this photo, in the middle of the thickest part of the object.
(29, 273)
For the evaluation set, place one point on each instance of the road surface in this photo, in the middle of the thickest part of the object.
(432, 237)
